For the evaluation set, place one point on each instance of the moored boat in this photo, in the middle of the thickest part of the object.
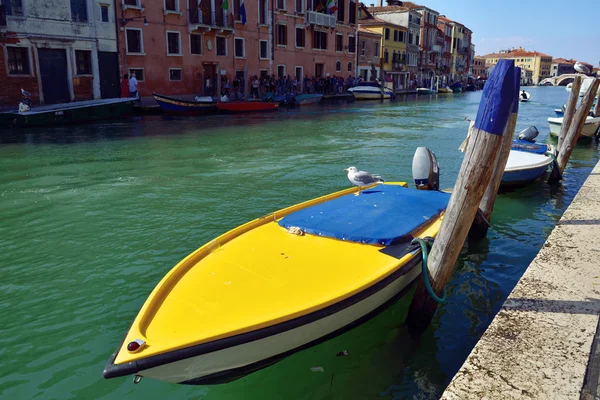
(470, 88)
(308, 99)
(172, 105)
(590, 126)
(526, 162)
(371, 91)
(445, 89)
(247, 106)
(72, 113)
(280, 284)
(425, 91)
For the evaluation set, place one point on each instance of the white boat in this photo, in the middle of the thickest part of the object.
(589, 128)
(526, 162)
(585, 85)
(445, 89)
(370, 91)
(422, 90)
(524, 96)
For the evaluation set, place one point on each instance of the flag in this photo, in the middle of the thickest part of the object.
(225, 5)
(243, 12)
(199, 1)
(320, 6)
(331, 6)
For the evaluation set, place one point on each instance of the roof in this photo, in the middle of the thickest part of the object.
(377, 21)
(563, 61)
(363, 30)
(520, 52)
(390, 8)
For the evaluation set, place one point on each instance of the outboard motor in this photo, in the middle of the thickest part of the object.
(425, 170)
(529, 134)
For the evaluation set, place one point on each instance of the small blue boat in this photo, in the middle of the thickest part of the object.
(527, 160)
(171, 105)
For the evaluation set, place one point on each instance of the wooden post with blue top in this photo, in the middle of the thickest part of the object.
(569, 111)
(483, 150)
(481, 223)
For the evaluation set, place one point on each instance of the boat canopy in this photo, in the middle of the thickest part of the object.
(384, 215)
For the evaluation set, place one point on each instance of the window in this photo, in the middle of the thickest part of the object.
(175, 74)
(196, 44)
(351, 44)
(173, 43)
(320, 40)
(363, 46)
(300, 37)
(376, 49)
(299, 4)
(349, 66)
(171, 5)
(12, 7)
(262, 11)
(338, 66)
(341, 12)
(281, 71)
(221, 46)
(395, 35)
(386, 56)
(410, 37)
(79, 11)
(339, 42)
(281, 35)
(264, 49)
(352, 12)
(18, 60)
(131, 3)
(401, 36)
(139, 73)
(240, 49)
(104, 13)
(83, 60)
(281, 4)
(133, 36)
(387, 34)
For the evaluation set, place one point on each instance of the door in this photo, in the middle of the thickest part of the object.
(108, 64)
(209, 71)
(53, 71)
(319, 70)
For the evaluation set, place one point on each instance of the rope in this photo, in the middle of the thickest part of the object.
(555, 166)
(425, 252)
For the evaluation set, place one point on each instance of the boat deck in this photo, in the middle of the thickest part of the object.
(77, 104)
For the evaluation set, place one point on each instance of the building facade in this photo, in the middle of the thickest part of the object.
(369, 54)
(538, 63)
(479, 68)
(60, 51)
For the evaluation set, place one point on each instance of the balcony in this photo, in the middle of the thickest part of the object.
(320, 19)
(208, 19)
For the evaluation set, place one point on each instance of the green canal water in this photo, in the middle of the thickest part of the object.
(94, 216)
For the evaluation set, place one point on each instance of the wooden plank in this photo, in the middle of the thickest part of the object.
(577, 125)
(480, 158)
(570, 111)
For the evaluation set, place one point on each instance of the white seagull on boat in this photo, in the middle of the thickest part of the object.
(581, 68)
(361, 178)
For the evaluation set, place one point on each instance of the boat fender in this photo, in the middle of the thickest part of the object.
(529, 134)
(425, 170)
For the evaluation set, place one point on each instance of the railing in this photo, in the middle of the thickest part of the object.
(207, 16)
(317, 18)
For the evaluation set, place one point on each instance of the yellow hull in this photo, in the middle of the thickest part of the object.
(256, 277)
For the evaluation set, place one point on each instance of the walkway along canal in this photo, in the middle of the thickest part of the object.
(96, 215)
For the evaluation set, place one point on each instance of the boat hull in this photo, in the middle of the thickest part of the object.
(374, 94)
(589, 128)
(247, 106)
(182, 107)
(424, 91)
(258, 349)
(74, 113)
(308, 99)
(523, 176)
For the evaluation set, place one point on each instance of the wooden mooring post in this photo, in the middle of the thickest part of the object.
(481, 223)
(597, 107)
(569, 111)
(564, 152)
(480, 158)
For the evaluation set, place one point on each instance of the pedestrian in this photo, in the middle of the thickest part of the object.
(236, 88)
(133, 88)
(226, 86)
(208, 86)
(254, 91)
(125, 86)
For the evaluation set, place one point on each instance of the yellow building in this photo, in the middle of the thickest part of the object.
(393, 41)
(539, 63)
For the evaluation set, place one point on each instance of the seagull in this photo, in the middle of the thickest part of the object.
(25, 92)
(361, 178)
(579, 67)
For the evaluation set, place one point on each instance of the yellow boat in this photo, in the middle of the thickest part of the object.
(279, 284)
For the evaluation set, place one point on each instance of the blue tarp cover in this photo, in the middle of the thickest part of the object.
(385, 214)
(523, 145)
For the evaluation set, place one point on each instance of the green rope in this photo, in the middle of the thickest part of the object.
(426, 280)
(555, 165)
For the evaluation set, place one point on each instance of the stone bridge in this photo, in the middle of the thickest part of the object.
(562, 80)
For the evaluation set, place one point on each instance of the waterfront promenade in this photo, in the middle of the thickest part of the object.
(542, 344)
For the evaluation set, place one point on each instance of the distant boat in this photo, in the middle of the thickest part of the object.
(370, 91)
(70, 113)
(589, 128)
(524, 96)
(470, 88)
(172, 105)
(445, 89)
(560, 112)
(585, 85)
(456, 87)
(247, 106)
(425, 91)
(308, 99)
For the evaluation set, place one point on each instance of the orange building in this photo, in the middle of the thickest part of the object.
(174, 46)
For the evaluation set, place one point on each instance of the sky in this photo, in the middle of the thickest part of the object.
(561, 29)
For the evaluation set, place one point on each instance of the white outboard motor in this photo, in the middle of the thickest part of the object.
(425, 170)
(529, 134)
